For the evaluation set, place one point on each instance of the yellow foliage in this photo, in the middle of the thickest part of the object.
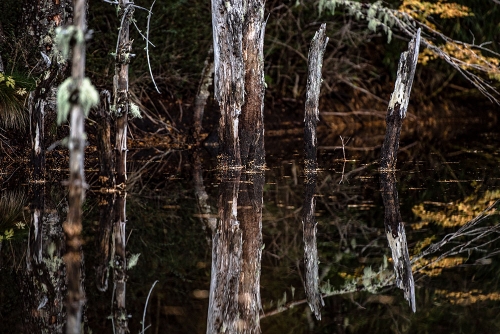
(421, 10)
(458, 213)
(433, 267)
(467, 298)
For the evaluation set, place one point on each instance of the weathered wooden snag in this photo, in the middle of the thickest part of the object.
(315, 64)
(394, 225)
(398, 105)
(396, 236)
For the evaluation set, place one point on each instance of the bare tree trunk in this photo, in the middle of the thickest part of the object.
(226, 259)
(396, 236)
(73, 226)
(227, 23)
(121, 97)
(315, 60)
(42, 18)
(398, 105)
(251, 127)
(250, 206)
(394, 225)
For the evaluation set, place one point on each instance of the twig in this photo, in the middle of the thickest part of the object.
(146, 307)
(147, 47)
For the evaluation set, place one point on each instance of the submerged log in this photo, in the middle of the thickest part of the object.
(315, 61)
(396, 236)
(398, 105)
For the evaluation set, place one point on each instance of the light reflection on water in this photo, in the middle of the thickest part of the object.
(442, 185)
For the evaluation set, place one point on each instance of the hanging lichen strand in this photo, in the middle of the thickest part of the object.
(76, 96)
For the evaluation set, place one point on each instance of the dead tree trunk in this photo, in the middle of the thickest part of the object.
(42, 18)
(76, 95)
(121, 102)
(396, 236)
(250, 213)
(394, 225)
(315, 60)
(226, 259)
(227, 23)
(120, 266)
(251, 127)
(398, 105)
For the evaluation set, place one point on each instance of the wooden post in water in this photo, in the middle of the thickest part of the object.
(394, 225)
(315, 64)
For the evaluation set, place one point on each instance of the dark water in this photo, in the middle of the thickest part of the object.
(447, 176)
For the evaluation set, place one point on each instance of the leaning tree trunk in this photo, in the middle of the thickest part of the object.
(315, 60)
(41, 19)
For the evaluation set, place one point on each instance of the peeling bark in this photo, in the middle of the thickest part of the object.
(398, 104)
(315, 61)
(395, 231)
(250, 212)
(251, 127)
(41, 19)
(226, 259)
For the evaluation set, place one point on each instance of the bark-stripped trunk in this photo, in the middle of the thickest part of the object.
(120, 86)
(44, 276)
(226, 259)
(398, 105)
(250, 213)
(41, 19)
(396, 236)
(121, 108)
(315, 60)
(251, 126)
(73, 226)
(229, 74)
(394, 225)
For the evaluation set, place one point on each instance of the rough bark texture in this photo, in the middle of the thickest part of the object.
(73, 225)
(229, 74)
(41, 19)
(311, 259)
(44, 276)
(315, 62)
(121, 97)
(106, 159)
(395, 231)
(398, 104)
(250, 213)
(203, 93)
(251, 126)
(226, 259)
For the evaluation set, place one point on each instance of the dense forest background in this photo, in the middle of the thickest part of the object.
(358, 72)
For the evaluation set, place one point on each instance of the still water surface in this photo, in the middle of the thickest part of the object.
(447, 177)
